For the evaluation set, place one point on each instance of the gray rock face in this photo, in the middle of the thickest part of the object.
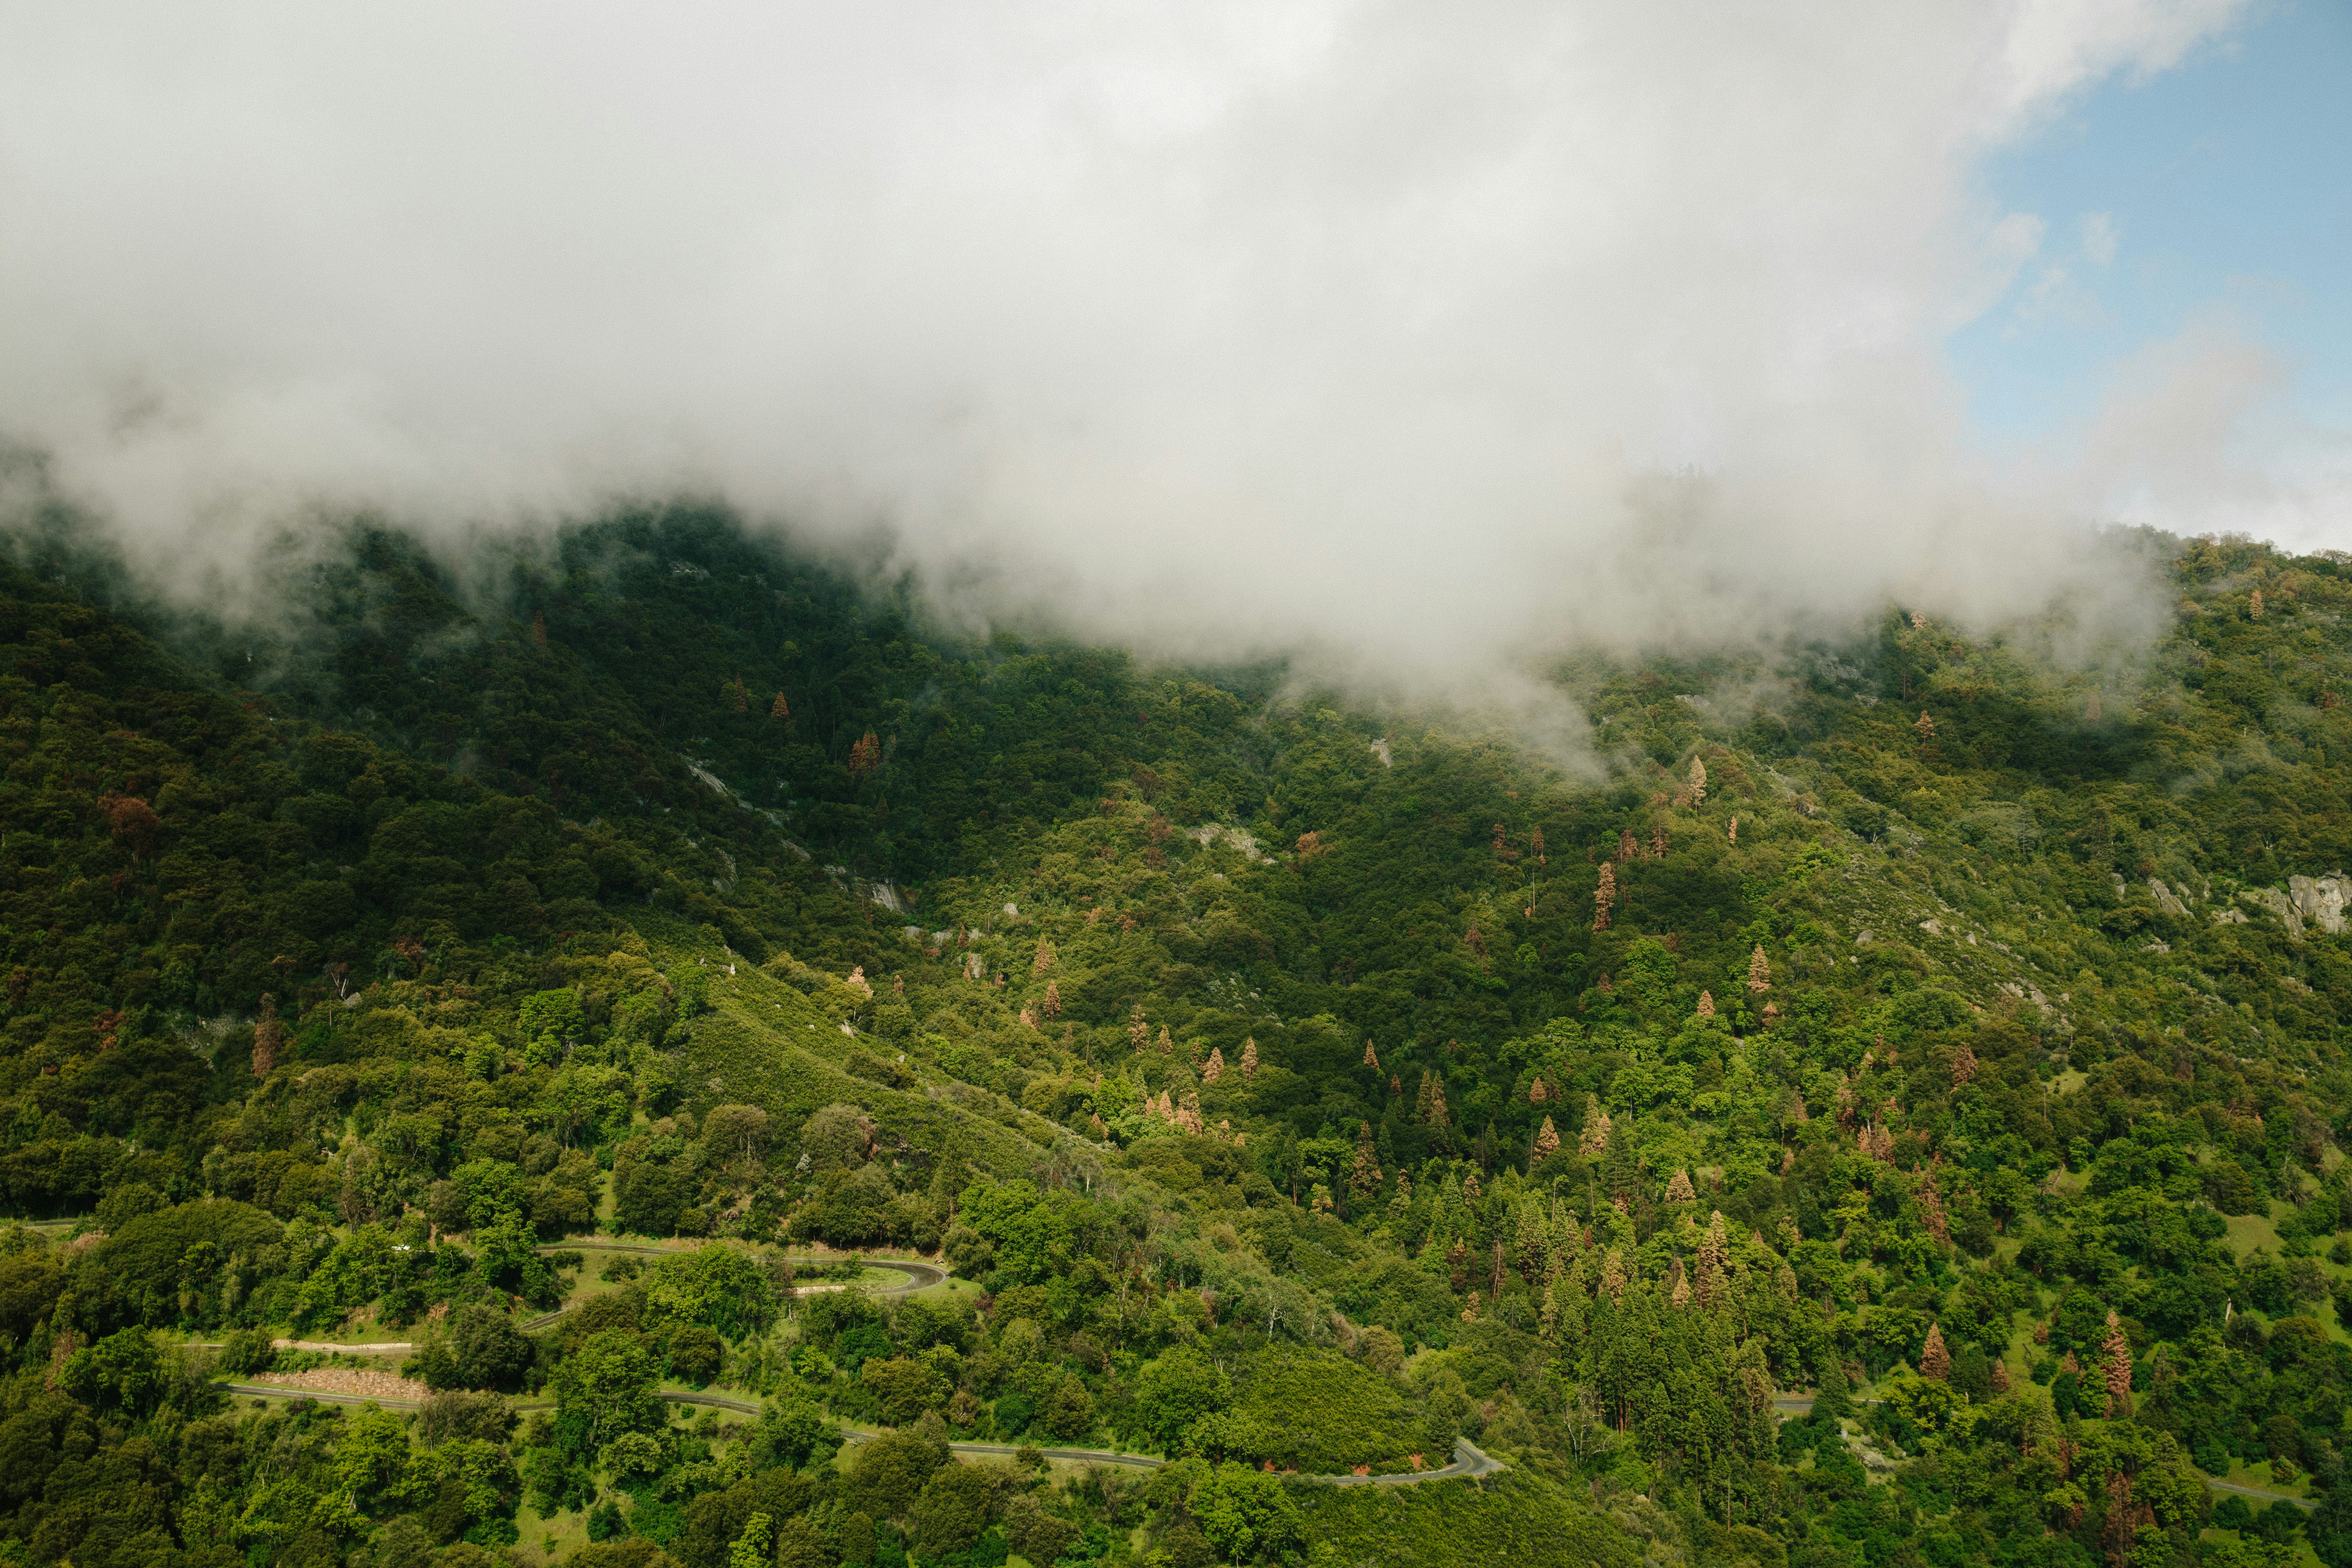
(2320, 900)
(2166, 899)
(2279, 904)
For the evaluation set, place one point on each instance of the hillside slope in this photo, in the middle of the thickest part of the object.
(1925, 1021)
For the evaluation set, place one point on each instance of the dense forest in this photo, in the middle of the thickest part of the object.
(475, 1032)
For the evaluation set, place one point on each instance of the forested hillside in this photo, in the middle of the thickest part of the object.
(1887, 1110)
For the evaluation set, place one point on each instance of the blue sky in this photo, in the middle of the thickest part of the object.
(2218, 195)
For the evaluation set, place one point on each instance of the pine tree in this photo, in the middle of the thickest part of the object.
(1371, 1057)
(1681, 1294)
(2091, 713)
(1167, 1045)
(2000, 1377)
(1658, 842)
(1139, 1032)
(1964, 1067)
(1931, 1209)
(1612, 1274)
(1495, 1274)
(1547, 1141)
(1595, 1137)
(1216, 1067)
(1603, 896)
(737, 698)
(865, 756)
(1458, 1264)
(1935, 1361)
(1249, 1059)
(1535, 844)
(1760, 970)
(1028, 1019)
(1927, 727)
(1706, 1003)
(1678, 1190)
(1536, 1093)
(1626, 847)
(1053, 998)
(1698, 781)
(1396, 1085)
(1365, 1176)
(2118, 1359)
(1734, 830)
(268, 1038)
(2254, 604)
(780, 709)
(1044, 959)
(539, 630)
(1439, 1117)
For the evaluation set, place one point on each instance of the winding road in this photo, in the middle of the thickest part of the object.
(1469, 1461)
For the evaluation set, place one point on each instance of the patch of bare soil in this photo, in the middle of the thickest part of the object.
(351, 1381)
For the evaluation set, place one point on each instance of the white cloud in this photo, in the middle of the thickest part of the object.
(1213, 324)
(2099, 238)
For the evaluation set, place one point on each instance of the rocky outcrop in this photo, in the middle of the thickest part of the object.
(2320, 900)
(2308, 901)
(2167, 899)
(2279, 904)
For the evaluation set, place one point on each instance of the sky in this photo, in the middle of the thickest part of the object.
(1420, 340)
(2211, 201)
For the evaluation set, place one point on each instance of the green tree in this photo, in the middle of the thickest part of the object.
(1174, 1390)
(955, 1506)
(607, 1386)
(1246, 1514)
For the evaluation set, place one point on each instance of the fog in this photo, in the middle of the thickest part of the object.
(1423, 338)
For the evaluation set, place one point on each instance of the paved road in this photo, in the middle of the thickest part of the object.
(919, 1276)
(1468, 1461)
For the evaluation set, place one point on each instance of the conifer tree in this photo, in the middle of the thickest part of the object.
(1495, 1274)
(1044, 959)
(1927, 727)
(1249, 1059)
(1458, 1264)
(1470, 1191)
(1167, 1045)
(1626, 847)
(2091, 713)
(1139, 1032)
(1760, 970)
(1547, 1141)
(1396, 1085)
(2117, 1354)
(1595, 1137)
(1698, 781)
(1612, 1274)
(1935, 1361)
(1603, 896)
(1053, 998)
(1365, 1176)
(2000, 1377)
(780, 709)
(1188, 1118)
(1371, 1057)
(1734, 830)
(865, 756)
(1706, 1003)
(539, 629)
(2254, 604)
(1028, 1019)
(1678, 1190)
(736, 697)
(1216, 1067)
(1535, 844)
(1681, 1294)
(1658, 842)
(1964, 1067)
(268, 1038)
(1536, 1093)
(1931, 1209)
